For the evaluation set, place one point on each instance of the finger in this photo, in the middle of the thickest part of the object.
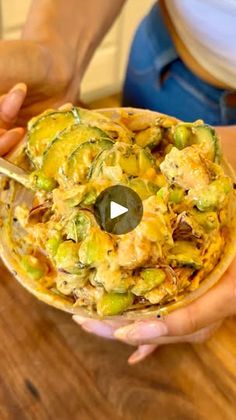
(141, 353)
(145, 350)
(66, 107)
(216, 304)
(12, 102)
(9, 139)
(101, 328)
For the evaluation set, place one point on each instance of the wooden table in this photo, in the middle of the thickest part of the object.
(51, 369)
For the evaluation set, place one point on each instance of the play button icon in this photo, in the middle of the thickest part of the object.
(118, 209)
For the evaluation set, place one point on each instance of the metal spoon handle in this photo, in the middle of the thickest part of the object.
(14, 172)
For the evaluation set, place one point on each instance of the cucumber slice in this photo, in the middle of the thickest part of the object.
(186, 254)
(79, 163)
(186, 134)
(150, 137)
(131, 160)
(143, 187)
(45, 129)
(116, 131)
(206, 137)
(65, 144)
(96, 166)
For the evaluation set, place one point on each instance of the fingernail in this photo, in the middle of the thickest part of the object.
(141, 353)
(95, 327)
(66, 107)
(18, 130)
(136, 357)
(19, 86)
(103, 330)
(142, 331)
(79, 319)
(12, 102)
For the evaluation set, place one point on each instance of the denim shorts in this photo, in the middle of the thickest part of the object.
(180, 93)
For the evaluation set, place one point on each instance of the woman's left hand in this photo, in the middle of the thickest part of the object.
(10, 105)
(193, 323)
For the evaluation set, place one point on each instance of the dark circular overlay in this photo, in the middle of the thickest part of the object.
(125, 197)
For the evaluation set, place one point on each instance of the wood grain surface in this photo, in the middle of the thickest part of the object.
(51, 369)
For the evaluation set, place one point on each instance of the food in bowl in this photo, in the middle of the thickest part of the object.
(175, 168)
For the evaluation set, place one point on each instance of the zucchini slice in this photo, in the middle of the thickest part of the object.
(65, 144)
(45, 129)
(80, 161)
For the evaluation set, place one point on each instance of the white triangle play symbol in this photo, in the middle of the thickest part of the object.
(117, 210)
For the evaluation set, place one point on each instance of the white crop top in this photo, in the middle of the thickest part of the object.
(208, 30)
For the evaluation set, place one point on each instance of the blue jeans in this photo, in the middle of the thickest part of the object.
(180, 93)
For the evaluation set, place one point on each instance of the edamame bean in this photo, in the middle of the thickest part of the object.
(114, 303)
(53, 243)
(181, 136)
(33, 267)
(176, 195)
(67, 257)
(43, 182)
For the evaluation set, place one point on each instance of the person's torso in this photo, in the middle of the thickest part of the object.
(207, 28)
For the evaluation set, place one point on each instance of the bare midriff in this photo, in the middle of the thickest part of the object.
(185, 55)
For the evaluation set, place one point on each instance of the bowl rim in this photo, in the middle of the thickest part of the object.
(61, 303)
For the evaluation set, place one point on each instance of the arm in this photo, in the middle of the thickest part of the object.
(58, 41)
(74, 27)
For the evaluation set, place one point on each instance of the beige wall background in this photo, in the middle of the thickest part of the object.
(106, 71)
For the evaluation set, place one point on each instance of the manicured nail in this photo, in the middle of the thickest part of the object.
(66, 107)
(95, 327)
(142, 331)
(19, 86)
(98, 328)
(18, 131)
(141, 353)
(79, 319)
(12, 102)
